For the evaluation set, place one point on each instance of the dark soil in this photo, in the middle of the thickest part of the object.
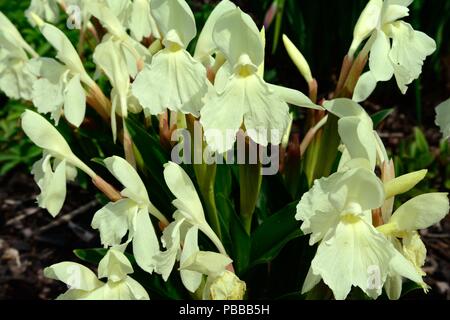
(31, 239)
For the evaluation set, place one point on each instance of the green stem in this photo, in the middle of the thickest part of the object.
(206, 177)
(250, 179)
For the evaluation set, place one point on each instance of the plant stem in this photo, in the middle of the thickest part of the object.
(250, 179)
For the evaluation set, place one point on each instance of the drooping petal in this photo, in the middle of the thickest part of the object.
(409, 50)
(142, 23)
(74, 101)
(112, 221)
(421, 212)
(173, 81)
(314, 202)
(75, 275)
(222, 116)
(108, 57)
(52, 185)
(145, 242)
(171, 241)
(355, 254)
(190, 279)
(267, 115)
(379, 62)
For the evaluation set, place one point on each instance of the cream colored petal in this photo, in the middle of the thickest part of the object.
(358, 139)
(53, 186)
(294, 97)
(127, 175)
(191, 279)
(136, 289)
(366, 24)
(165, 260)
(409, 50)
(74, 101)
(47, 96)
(173, 81)
(364, 87)
(316, 201)
(310, 282)
(114, 265)
(222, 116)
(208, 263)
(421, 212)
(235, 34)
(108, 57)
(393, 287)
(45, 136)
(379, 62)
(355, 254)
(107, 18)
(65, 50)
(16, 81)
(175, 15)
(343, 107)
(75, 275)
(140, 23)
(205, 43)
(11, 33)
(183, 189)
(394, 12)
(443, 118)
(145, 242)
(267, 116)
(46, 9)
(112, 221)
(357, 191)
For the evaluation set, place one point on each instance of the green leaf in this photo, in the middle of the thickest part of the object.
(272, 235)
(410, 286)
(380, 116)
(152, 165)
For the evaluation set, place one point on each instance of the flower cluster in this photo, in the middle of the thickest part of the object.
(144, 53)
